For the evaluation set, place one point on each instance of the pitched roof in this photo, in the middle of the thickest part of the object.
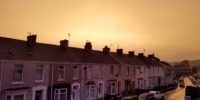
(126, 59)
(149, 61)
(18, 49)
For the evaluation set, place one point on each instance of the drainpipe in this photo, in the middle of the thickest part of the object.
(51, 82)
(1, 75)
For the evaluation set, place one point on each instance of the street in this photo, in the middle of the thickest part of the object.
(179, 93)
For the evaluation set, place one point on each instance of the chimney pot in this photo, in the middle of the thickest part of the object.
(141, 55)
(88, 46)
(64, 43)
(31, 40)
(106, 50)
(120, 52)
(131, 53)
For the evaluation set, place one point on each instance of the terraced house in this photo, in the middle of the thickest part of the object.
(38, 71)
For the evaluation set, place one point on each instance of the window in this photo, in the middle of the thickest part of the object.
(133, 71)
(61, 73)
(39, 73)
(127, 71)
(111, 70)
(18, 73)
(92, 92)
(89, 72)
(119, 70)
(60, 94)
(15, 97)
(76, 72)
(100, 71)
(39, 95)
(111, 88)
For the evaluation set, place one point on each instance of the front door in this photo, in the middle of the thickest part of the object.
(101, 90)
(75, 91)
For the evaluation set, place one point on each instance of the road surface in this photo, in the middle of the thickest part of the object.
(179, 93)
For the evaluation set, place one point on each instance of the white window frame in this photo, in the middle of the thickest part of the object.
(89, 72)
(111, 87)
(75, 72)
(89, 90)
(18, 82)
(61, 79)
(42, 80)
(59, 93)
(43, 88)
(112, 71)
(100, 71)
(12, 95)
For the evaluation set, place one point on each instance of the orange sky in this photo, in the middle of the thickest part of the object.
(168, 28)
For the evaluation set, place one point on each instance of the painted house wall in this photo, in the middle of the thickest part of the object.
(29, 83)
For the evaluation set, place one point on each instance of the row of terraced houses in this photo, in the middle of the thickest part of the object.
(38, 71)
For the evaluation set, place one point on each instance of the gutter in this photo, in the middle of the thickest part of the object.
(1, 75)
(51, 81)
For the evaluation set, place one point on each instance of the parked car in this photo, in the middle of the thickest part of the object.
(134, 97)
(157, 95)
(192, 93)
(146, 96)
(181, 84)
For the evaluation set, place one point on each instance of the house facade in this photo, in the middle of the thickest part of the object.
(37, 71)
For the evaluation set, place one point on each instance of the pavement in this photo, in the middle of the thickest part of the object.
(179, 93)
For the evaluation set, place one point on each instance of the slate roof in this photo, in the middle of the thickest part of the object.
(149, 61)
(126, 59)
(18, 49)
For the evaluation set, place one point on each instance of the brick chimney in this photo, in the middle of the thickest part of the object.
(106, 50)
(151, 56)
(31, 40)
(88, 46)
(120, 52)
(141, 55)
(131, 53)
(64, 43)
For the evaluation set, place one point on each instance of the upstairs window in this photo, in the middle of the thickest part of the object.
(112, 71)
(39, 73)
(100, 71)
(89, 72)
(18, 73)
(119, 70)
(133, 71)
(61, 73)
(127, 71)
(76, 72)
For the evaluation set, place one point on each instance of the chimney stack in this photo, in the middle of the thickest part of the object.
(131, 53)
(64, 43)
(88, 46)
(151, 56)
(120, 52)
(141, 55)
(106, 50)
(31, 40)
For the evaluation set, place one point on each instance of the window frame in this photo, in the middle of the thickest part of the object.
(42, 80)
(59, 69)
(59, 93)
(75, 68)
(12, 95)
(22, 74)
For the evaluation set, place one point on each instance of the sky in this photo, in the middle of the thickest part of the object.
(168, 28)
